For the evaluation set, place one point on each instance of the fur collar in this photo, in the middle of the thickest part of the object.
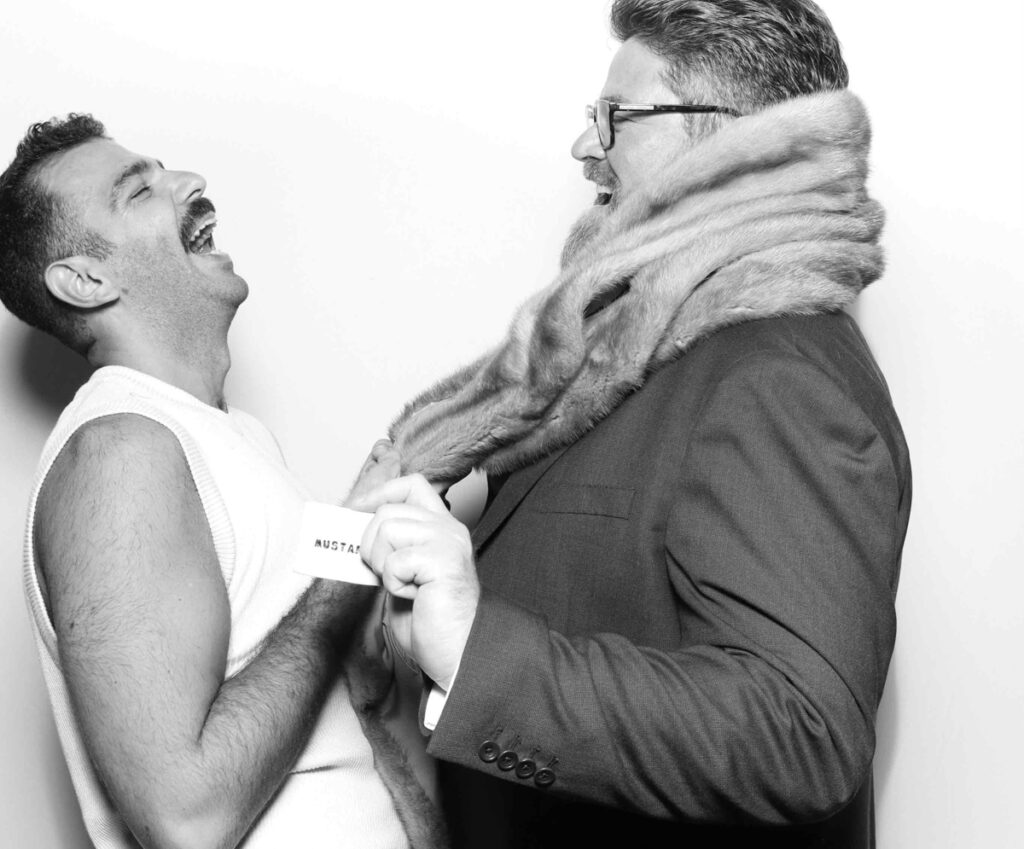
(768, 216)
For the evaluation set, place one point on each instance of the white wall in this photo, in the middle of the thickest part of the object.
(393, 183)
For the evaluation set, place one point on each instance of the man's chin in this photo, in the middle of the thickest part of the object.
(220, 275)
(243, 288)
(584, 230)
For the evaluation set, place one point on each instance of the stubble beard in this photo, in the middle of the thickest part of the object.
(173, 297)
(586, 228)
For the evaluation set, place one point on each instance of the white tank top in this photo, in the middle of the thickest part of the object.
(333, 796)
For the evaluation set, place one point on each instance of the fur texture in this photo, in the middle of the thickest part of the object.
(768, 216)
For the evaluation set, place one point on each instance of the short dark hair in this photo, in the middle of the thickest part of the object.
(38, 228)
(747, 54)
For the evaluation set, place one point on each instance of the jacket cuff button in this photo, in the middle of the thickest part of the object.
(488, 752)
(526, 768)
(507, 760)
(544, 777)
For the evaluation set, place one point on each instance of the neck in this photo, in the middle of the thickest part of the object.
(200, 371)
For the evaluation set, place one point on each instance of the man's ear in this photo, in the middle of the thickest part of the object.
(81, 282)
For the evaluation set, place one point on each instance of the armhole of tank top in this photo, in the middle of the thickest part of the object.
(213, 505)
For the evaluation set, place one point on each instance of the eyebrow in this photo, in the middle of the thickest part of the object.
(139, 166)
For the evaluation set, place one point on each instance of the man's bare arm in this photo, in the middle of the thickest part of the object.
(141, 613)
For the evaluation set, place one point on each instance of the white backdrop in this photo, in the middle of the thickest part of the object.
(393, 178)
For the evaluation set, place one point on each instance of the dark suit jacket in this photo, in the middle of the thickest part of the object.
(688, 614)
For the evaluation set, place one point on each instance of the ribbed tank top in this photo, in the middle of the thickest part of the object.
(333, 796)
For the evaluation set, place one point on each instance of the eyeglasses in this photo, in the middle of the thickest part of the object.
(602, 113)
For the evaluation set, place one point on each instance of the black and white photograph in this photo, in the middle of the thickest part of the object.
(472, 426)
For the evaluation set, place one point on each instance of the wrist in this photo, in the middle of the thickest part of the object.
(442, 643)
(340, 609)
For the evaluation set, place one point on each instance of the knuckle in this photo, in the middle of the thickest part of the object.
(385, 514)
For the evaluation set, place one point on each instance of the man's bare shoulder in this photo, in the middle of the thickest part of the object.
(119, 501)
(120, 436)
(109, 461)
(128, 448)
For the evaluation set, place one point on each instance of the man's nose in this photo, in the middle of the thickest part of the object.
(588, 145)
(187, 186)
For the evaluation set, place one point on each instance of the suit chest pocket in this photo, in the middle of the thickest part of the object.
(610, 502)
(577, 551)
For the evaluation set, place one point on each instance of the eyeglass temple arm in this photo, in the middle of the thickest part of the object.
(672, 107)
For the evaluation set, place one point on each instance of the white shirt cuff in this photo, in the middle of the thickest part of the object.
(437, 698)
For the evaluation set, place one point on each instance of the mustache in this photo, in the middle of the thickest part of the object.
(600, 173)
(193, 212)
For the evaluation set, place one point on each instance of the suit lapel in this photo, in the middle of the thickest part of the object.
(511, 494)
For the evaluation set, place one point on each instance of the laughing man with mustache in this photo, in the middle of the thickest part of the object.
(198, 684)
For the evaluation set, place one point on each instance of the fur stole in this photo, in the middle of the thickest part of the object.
(766, 217)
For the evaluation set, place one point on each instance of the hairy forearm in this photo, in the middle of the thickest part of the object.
(261, 718)
(138, 601)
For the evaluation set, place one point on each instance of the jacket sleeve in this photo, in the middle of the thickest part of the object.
(782, 545)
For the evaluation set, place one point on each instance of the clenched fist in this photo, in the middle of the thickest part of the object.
(423, 554)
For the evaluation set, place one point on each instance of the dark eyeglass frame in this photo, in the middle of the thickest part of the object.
(602, 114)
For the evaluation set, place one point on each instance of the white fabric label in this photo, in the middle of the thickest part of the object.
(329, 540)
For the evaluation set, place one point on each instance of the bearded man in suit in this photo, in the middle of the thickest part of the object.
(677, 612)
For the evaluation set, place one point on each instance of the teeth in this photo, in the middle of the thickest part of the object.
(210, 221)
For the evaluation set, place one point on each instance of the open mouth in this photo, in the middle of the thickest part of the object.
(605, 181)
(201, 240)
